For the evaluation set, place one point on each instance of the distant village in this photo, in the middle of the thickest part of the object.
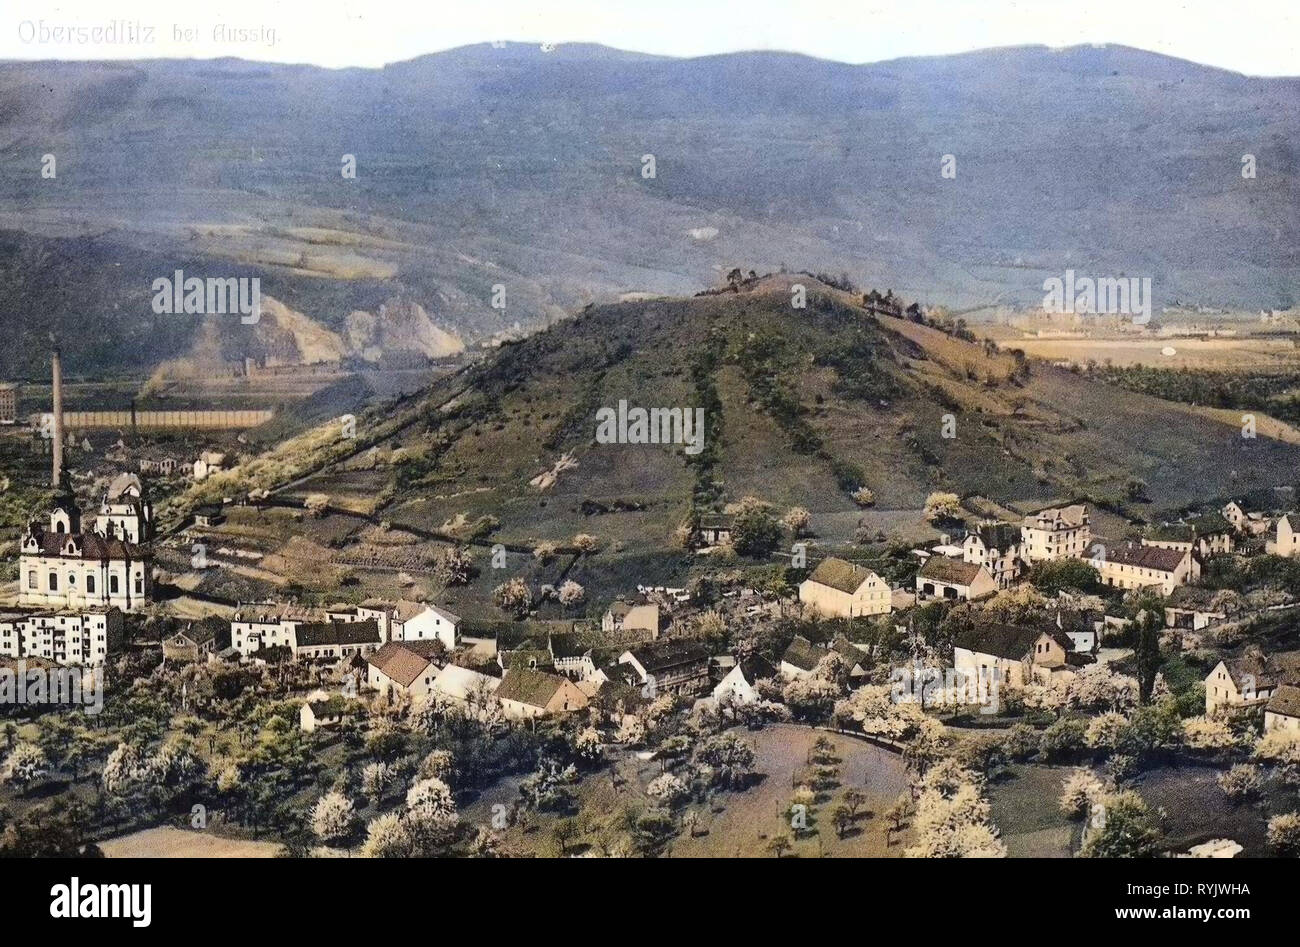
(1051, 613)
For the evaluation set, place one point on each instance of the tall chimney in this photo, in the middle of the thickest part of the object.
(57, 373)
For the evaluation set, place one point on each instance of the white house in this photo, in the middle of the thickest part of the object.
(125, 513)
(74, 638)
(432, 623)
(209, 462)
(1250, 680)
(461, 687)
(1011, 654)
(1286, 541)
(321, 711)
(525, 694)
(399, 667)
(304, 637)
(626, 616)
(1135, 566)
(1056, 533)
(1282, 712)
(941, 577)
(1194, 608)
(737, 686)
(996, 547)
(841, 589)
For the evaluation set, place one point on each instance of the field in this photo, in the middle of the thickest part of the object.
(736, 824)
(1242, 354)
(166, 841)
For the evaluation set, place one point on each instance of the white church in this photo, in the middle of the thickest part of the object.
(62, 567)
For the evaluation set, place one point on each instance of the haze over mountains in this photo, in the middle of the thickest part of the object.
(514, 166)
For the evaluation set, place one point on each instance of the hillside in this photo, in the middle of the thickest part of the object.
(802, 407)
(484, 166)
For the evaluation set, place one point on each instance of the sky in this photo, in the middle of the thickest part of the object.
(1256, 37)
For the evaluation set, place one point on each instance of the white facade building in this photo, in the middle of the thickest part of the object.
(82, 638)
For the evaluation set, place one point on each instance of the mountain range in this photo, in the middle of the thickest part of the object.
(511, 175)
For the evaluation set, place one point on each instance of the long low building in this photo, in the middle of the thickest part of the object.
(80, 638)
(953, 579)
(1135, 566)
(305, 638)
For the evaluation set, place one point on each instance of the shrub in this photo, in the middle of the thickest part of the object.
(1081, 788)
(513, 597)
(1062, 740)
(1241, 782)
(1284, 834)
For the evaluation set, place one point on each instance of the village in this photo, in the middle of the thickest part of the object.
(939, 678)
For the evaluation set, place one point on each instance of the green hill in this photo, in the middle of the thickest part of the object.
(802, 407)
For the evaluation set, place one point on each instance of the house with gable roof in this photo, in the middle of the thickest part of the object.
(838, 588)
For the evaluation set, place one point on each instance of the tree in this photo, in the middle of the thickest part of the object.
(667, 789)
(333, 818)
(895, 816)
(797, 520)
(1147, 653)
(942, 507)
(571, 593)
(316, 504)
(26, 764)
(123, 770)
(1204, 733)
(854, 800)
(544, 551)
(652, 830)
(1082, 788)
(1054, 575)
(386, 837)
(731, 758)
(842, 818)
(587, 744)
(812, 697)
(453, 565)
(585, 543)
(375, 778)
(779, 845)
(564, 832)
(754, 531)
(1104, 732)
(1284, 834)
(952, 816)
(439, 764)
(1125, 828)
(1240, 783)
(513, 597)
(431, 818)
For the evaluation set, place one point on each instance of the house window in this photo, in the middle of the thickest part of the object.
(90, 583)
(112, 585)
(54, 582)
(31, 580)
